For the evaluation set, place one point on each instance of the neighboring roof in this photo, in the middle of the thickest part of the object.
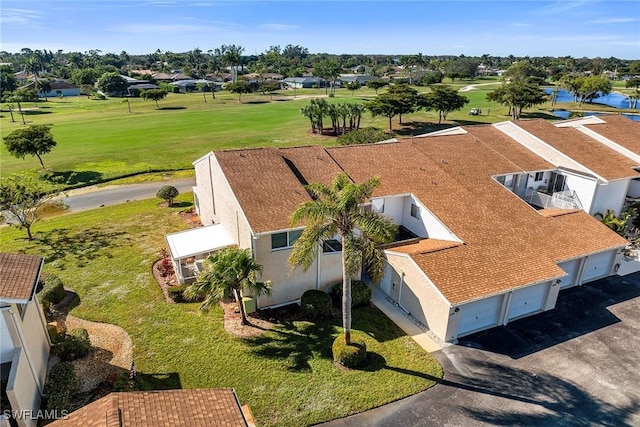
(144, 86)
(199, 241)
(19, 275)
(162, 408)
(585, 150)
(190, 82)
(620, 129)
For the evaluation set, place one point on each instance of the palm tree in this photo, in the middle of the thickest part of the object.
(338, 210)
(227, 272)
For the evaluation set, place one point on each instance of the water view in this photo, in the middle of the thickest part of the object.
(615, 100)
(564, 114)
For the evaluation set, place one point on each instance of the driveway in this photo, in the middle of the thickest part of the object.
(576, 365)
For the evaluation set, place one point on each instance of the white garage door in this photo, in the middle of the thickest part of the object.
(597, 266)
(527, 300)
(571, 268)
(479, 315)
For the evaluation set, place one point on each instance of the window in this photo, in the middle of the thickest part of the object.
(539, 176)
(415, 211)
(333, 245)
(285, 239)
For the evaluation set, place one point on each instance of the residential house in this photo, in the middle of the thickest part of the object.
(473, 251)
(58, 88)
(360, 78)
(163, 408)
(24, 340)
(304, 82)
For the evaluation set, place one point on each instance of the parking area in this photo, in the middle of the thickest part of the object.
(578, 364)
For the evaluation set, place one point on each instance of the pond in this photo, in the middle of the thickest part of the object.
(564, 114)
(615, 100)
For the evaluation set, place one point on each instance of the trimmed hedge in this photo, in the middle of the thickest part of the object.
(360, 293)
(316, 304)
(52, 290)
(349, 356)
(168, 193)
(72, 345)
(59, 387)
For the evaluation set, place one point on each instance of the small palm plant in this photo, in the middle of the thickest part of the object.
(227, 272)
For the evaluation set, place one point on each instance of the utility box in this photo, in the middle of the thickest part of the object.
(249, 304)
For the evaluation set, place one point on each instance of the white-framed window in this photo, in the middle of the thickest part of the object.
(415, 211)
(539, 176)
(333, 245)
(285, 239)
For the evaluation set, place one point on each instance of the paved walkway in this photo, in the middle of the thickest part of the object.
(400, 318)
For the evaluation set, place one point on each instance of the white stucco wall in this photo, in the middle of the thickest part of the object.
(584, 187)
(634, 188)
(610, 195)
(22, 389)
(35, 332)
(6, 344)
(429, 306)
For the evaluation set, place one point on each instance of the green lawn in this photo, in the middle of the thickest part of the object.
(286, 375)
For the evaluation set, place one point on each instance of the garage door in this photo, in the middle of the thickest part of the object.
(571, 268)
(479, 315)
(597, 266)
(527, 300)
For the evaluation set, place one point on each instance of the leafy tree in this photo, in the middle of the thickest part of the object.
(337, 210)
(443, 99)
(227, 272)
(44, 86)
(239, 87)
(231, 56)
(383, 105)
(592, 87)
(376, 85)
(154, 95)
(34, 140)
(167, 193)
(112, 83)
(8, 81)
(353, 86)
(84, 76)
(22, 197)
(517, 96)
(328, 70)
(269, 88)
(431, 78)
(406, 98)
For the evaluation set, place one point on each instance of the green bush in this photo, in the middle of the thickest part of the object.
(362, 136)
(168, 193)
(59, 386)
(352, 355)
(316, 304)
(360, 293)
(72, 345)
(52, 290)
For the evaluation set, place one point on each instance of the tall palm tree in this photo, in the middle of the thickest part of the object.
(227, 272)
(338, 210)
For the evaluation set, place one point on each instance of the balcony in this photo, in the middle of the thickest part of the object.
(557, 200)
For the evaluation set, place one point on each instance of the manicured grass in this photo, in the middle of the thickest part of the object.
(285, 375)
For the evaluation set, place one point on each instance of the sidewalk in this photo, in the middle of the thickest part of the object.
(400, 318)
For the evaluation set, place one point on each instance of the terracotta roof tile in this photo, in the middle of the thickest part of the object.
(163, 408)
(18, 275)
(623, 131)
(594, 155)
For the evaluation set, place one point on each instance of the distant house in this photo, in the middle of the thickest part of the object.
(58, 88)
(360, 78)
(173, 77)
(162, 408)
(24, 340)
(191, 85)
(304, 82)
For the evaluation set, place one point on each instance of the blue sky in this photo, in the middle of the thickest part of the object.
(518, 27)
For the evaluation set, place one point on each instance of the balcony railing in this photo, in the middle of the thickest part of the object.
(559, 200)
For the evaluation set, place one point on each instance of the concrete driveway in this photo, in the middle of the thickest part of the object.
(576, 365)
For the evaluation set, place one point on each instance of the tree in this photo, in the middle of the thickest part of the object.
(239, 87)
(84, 76)
(592, 87)
(353, 86)
(167, 193)
(227, 272)
(376, 85)
(406, 98)
(269, 88)
(112, 83)
(231, 56)
(154, 95)
(34, 140)
(443, 99)
(338, 210)
(8, 81)
(328, 70)
(44, 86)
(383, 105)
(518, 95)
(23, 196)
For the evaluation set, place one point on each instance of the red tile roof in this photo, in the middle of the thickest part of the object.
(18, 275)
(163, 408)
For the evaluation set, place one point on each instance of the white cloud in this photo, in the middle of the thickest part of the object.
(278, 27)
(19, 16)
(561, 6)
(614, 21)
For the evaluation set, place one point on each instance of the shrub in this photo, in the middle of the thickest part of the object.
(72, 345)
(52, 290)
(168, 193)
(362, 136)
(360, 293)
(316, 304)
(59, 386)
(349, 356)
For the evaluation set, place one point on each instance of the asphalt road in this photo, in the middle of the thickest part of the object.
(96, 197)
